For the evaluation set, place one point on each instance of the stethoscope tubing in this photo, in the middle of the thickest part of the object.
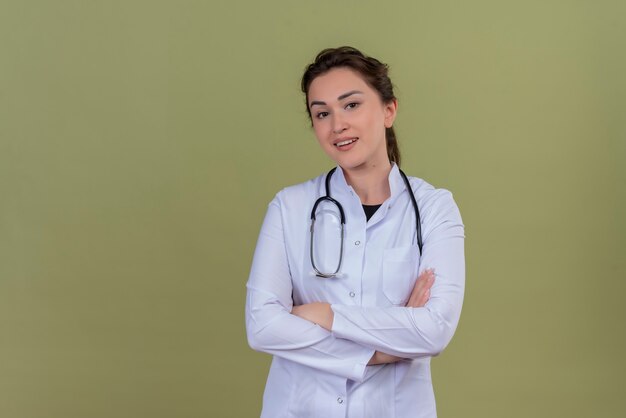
(342, 215)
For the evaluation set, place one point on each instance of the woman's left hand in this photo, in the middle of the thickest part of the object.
(319, 313)
(421, 289)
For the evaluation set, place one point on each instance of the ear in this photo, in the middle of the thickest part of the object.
(390, 109)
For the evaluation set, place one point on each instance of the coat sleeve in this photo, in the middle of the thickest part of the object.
(417, 332)
(270, 326)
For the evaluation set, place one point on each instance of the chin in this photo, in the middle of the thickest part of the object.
(350, 163)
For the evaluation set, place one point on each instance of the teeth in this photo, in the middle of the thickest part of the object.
(342, 143)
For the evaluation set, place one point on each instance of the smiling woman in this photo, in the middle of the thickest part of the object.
(342, 119)
(354, 293)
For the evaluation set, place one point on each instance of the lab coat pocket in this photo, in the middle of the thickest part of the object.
(400, 267)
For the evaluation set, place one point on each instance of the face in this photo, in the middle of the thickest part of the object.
(349, 119)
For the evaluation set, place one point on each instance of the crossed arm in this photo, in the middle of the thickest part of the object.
(360, 336)
(321, 313)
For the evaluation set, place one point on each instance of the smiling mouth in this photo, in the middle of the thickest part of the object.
(346, 142)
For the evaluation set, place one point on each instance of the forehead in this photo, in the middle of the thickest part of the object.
(330, 85)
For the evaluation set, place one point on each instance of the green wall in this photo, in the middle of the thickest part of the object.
(140, 143)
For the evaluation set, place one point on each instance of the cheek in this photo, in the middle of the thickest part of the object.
(375, 124)
(321, 132)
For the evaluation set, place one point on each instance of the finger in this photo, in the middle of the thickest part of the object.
(426, 291)
(416, 294)
(416, 289)
(422, 280)
(423, 283)
(423, 275)
(428, 274)
(414, 300)
(425, 294)
(419, 284)
(420, 300)
(430, 281)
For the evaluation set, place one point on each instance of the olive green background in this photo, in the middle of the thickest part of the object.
(140, 143)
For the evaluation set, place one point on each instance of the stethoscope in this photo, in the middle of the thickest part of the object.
(342, 217)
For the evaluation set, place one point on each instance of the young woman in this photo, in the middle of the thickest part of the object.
(358, 275)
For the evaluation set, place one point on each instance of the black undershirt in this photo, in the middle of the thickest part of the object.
(370, 210)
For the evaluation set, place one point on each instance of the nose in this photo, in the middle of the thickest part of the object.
(339, 124)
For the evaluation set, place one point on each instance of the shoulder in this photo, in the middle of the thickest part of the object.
(436, 205)
(299, 194)
(291, 206)
(430, 196)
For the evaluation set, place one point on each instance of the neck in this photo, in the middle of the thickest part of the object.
(370, 183)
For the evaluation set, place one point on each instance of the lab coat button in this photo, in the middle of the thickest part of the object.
(357, 242)
(340, 400)
(352, 294)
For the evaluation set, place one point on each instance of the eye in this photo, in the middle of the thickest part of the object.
(321, 115)
(352, 105)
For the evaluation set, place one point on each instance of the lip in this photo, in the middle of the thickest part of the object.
(345, 138)
(348, 147)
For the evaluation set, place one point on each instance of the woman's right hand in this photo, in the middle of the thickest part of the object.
(419, 296)
(382, 358)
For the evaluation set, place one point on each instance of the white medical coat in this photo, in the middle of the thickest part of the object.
(317, 373)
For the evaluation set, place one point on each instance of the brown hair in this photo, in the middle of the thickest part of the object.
(374, 73)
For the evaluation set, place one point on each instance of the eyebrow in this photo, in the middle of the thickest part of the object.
(341, 97)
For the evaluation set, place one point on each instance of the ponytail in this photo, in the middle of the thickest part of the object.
(393, 151)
